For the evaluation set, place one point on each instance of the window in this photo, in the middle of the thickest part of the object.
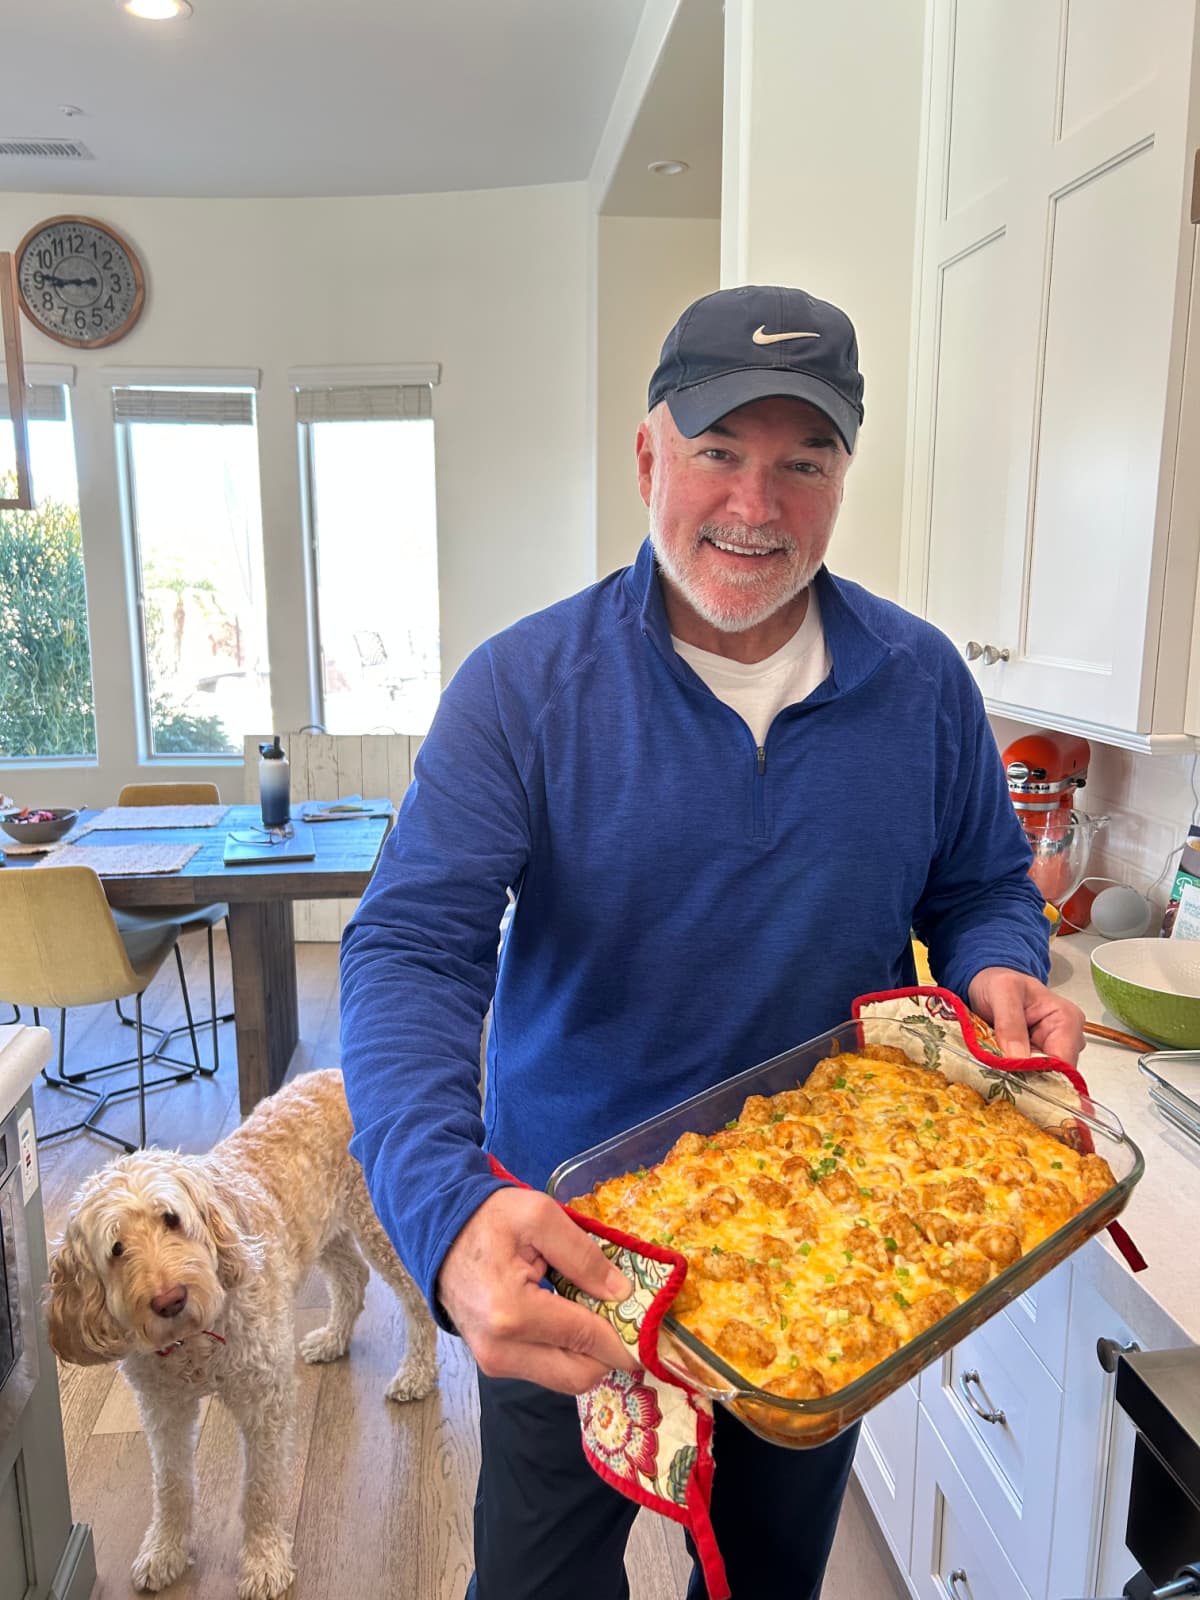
(191, 458)
(46, 703)
(368, 455)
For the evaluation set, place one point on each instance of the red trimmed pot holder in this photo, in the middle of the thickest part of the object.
(649, 1435)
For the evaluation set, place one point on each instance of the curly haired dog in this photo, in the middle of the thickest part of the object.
(185, 1269)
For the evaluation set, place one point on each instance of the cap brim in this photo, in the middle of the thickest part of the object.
(697, 407)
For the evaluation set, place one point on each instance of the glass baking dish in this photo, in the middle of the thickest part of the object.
(801, 1424)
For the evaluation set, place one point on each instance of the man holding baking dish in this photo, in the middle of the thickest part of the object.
(671, 771)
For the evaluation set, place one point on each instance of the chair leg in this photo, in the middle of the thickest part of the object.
(100, 1096)
(142, 1062)
(214, 1016)
(187, 1011)
(212, 999)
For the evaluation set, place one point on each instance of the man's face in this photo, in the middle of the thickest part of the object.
(741, 516)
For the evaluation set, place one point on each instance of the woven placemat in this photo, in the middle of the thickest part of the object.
(121, 860)
(154, 817)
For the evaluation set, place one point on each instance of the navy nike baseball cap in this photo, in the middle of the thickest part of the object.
(744, 344)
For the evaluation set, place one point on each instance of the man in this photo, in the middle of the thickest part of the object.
(724, 787)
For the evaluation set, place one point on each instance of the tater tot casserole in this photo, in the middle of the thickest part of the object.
(828, 1225)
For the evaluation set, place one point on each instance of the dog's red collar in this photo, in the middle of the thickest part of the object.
(167, 1348)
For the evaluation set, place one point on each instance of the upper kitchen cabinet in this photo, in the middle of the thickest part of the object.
(1053, 509)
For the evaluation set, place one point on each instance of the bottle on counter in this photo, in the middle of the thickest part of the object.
(274, 784)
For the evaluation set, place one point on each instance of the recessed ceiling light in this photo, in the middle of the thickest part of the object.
(157, 10)
(667, 169)
(72, 111)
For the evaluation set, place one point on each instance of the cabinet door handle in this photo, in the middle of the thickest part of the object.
(959, 1575)
(972, 649)
(991, 655)
(1109, 1352)
(987, 1411)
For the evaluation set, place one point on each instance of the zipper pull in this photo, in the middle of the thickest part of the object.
(762, 759)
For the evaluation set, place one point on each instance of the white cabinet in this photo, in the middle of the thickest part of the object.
(1095, 1456)
(885, 1464)
(955, 1553)
(997, 1410)
(1051, 525)
(1006, 1472)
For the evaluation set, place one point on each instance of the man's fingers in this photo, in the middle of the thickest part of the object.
(1008, 1021)
(552, 1369)
(547, 1325)
(579, 1258)
(1061, 1033)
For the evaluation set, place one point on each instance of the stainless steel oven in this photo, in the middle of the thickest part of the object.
(18, 1340)
(1160, 1392)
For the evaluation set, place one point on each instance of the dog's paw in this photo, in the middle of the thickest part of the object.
(266, 1569)
(413, 1381)
(159, 1562)
(324, 1344)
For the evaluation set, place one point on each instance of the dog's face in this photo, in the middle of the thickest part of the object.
(150, 1251)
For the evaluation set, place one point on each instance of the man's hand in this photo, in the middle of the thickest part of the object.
(489, 1285)
(1025, 1015)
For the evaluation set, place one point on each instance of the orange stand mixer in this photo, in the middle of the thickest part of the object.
(1044, 769)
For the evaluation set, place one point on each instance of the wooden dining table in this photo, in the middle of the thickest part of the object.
(260, 896)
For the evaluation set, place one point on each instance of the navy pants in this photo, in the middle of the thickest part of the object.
(548, 1528)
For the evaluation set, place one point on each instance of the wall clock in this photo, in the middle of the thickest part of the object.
(79, 281)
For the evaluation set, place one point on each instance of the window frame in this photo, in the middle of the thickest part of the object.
(342, 377)
(115, 378)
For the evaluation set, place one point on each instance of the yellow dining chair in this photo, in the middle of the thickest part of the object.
(188, 918)
(60, 946)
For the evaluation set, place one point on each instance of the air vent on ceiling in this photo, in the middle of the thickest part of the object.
(47, 149)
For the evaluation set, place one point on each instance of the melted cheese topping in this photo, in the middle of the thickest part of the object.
(830, 1224)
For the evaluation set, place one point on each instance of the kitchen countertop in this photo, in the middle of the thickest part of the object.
(23, 1053)
(1163, 1302)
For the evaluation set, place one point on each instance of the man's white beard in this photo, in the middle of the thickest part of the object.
(731, 618)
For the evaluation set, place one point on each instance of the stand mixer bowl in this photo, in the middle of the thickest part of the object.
(1061, 842)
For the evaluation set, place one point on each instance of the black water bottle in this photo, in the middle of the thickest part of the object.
(274, 784)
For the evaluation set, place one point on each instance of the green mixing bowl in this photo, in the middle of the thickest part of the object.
(1153, 987)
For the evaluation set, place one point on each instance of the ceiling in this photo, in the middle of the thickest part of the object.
(680, 119)
(304, 97)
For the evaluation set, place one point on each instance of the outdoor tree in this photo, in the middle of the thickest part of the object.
(46, 703)
(45, 664)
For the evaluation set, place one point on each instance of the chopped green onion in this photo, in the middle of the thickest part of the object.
(902, 1302)
(1057, 1165)
(829, 1278)
(793, 1362)
(806, 1248)
(761, 1163)
(869, 1193)
(849, 1254)
(732, 1123)
(890, 1244)
(839, 1083)
(782, 1320)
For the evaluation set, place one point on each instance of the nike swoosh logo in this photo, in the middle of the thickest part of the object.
(761, 336)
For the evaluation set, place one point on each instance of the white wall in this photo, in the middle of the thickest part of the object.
(493, 285)
(822, 125)
(648, 270)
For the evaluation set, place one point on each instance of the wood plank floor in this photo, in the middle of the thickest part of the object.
(380, 1497)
